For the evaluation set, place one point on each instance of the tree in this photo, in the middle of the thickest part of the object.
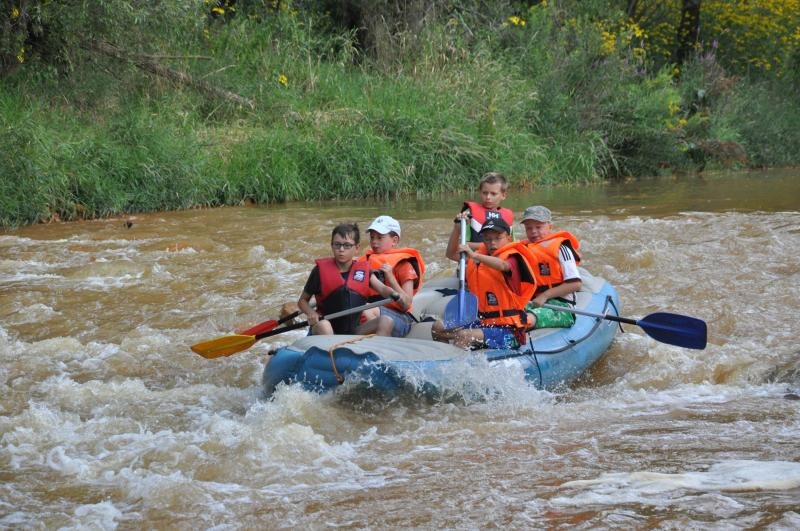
(688, 35)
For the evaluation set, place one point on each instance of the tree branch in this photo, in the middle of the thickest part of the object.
(181, 78)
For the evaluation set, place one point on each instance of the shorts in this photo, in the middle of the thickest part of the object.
(498, 337)
(547, 318)
(402, 321)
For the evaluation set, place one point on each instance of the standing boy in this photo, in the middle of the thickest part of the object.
(556, 269)
(493, 188)
(394, 270)
(337, 283)
(500, 275)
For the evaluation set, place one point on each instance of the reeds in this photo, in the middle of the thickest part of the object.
(540, 103)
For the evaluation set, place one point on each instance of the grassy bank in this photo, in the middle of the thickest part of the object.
(543, 102)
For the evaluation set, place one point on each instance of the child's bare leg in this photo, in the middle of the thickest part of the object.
(467, 337)
(440, 334)
(385, 325)
(322, 328)
(370, 314)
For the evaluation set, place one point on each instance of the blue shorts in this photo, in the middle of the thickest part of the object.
(402, 321)
(498, 337)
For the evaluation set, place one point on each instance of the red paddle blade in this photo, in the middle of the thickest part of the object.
(266, 326)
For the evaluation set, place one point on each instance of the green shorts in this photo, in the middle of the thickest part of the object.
(547, 318)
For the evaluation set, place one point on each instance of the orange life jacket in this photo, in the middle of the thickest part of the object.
(498, 304)
(546, 265)
(480, 214)
(394, 257)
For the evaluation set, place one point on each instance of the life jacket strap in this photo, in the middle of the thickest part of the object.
(499, 313)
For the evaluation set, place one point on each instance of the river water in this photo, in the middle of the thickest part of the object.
(110, 421)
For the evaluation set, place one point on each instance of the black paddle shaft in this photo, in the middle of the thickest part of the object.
(394, 297)
(610, 317)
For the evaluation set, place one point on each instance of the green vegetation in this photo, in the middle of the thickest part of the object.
(324, 99)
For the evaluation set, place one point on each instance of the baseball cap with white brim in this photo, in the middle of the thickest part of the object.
(385, 225)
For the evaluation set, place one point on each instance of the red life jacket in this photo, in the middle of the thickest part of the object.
(546, 265)
(336, 294)
(479, 216)
(394, 257)
(498, 304)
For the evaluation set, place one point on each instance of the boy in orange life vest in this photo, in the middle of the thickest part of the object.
(337, 283)
(394, 270)
(556, 269)
(500, 275)
(493, 188)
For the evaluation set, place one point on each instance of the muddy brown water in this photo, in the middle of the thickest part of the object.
(109, 421)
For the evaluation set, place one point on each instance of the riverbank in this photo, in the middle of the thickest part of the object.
(319, 120)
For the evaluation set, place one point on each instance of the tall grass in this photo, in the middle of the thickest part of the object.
(435, 107)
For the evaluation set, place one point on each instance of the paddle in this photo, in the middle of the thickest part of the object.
(463, 309)
(227, 345)
(266, 326)
(670, 328)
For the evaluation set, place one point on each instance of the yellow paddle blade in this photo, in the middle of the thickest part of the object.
(223, 346)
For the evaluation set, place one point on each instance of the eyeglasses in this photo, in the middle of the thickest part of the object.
(343, 246)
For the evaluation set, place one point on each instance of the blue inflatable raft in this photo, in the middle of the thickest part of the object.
(551, 357)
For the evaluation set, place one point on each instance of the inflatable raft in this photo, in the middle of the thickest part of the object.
(551, 356)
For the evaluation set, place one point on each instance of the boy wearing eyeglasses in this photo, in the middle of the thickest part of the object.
(337, 283)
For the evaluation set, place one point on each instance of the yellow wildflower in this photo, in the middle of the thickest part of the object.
(638, 32)
(609, 42)
(21, 55)
(218, 10)
(673, 107)
(283, 80)
(516, 21)
(14, 13)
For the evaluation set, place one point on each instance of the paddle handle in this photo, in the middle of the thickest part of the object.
(462, 260)
(334, 315)
(610, 317)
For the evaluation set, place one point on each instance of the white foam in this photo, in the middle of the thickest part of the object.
(102, 515)
(651, 487)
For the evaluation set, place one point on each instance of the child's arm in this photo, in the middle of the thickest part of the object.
(390, 286)
(563, 289)
(489, 261)
(453, 244)
(304, 304)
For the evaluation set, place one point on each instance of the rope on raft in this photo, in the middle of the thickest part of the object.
(339, 377)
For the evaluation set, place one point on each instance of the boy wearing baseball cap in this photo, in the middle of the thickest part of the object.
(394, 270)
(500, 275)
(556, 268)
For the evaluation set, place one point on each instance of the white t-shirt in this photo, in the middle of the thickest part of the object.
(566, 258)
